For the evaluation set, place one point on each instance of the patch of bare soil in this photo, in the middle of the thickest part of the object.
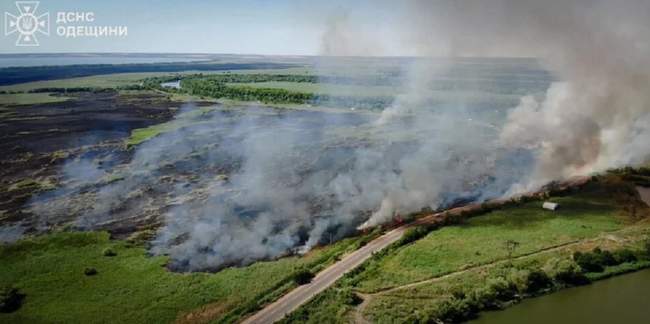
(204, 314)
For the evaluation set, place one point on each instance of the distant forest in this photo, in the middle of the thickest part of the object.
(14, 75)
(221, 86)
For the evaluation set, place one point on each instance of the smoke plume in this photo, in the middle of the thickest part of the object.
(593, 119)
(240, 186)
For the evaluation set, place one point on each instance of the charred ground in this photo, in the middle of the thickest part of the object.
(37, 139)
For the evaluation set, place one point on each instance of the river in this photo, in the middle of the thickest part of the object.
(621, 299)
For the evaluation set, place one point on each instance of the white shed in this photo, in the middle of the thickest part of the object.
(550, 205)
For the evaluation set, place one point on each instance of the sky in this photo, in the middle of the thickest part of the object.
(279, 27)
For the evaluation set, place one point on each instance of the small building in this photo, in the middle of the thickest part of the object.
(550, 205)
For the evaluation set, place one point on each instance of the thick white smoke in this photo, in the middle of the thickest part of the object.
(591, 121)
(295, 179)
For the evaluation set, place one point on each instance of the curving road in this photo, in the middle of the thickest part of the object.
(302, 294)
(291, 301)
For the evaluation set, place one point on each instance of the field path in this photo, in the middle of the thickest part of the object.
(358, 313)
(645, 194)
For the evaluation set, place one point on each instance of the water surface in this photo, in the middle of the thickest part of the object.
(621, 299)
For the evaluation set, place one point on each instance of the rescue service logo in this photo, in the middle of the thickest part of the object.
(27, 24)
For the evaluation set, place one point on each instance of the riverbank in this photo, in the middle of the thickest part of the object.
(622, 299)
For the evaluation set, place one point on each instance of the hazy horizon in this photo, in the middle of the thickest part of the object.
(284, 27)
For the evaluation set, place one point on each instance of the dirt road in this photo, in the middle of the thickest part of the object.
(645, 194)
(291, 301)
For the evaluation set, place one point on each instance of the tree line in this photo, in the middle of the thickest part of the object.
(224, 86)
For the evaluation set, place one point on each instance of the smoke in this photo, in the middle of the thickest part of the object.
(11, 233)
(308, 178)
(593, 119)
(590, 121)
(343, 38)
(236, 186)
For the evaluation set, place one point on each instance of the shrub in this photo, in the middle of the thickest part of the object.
(302, 276)
(491, 295)
(646, 248)
(624, 255)
(588, 262)
(481, 298)
(416, 233)
(605, 258)
(455, 311)
(502, 289)
(538, 280)
(566, 272)
(109, 252)
(519, 277)
(90, 271)
(412, 235)
(597, 260)
(10, 299)
(348, 297)
(572, 278)
(458, 293)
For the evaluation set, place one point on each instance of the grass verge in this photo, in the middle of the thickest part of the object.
(131, 287)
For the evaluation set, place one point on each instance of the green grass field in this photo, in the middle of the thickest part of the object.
(192, 117)
(30, 98)
(132, 287)
(141, 135)
(482, 239)
(98, 81)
